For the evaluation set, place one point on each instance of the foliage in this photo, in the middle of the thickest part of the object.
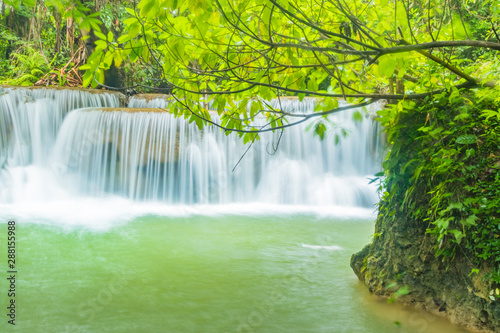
(53, 30)
(232, 52)
(68, 9)
(28, 66)
(444, 169)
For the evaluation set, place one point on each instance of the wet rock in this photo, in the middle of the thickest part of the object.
(404, 254)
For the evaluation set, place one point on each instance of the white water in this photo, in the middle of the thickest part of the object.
(30, 120)
(104, 165)
(303, 171)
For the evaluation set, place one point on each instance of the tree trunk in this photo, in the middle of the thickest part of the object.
(115, 76)
(70, 35)
(57, 17)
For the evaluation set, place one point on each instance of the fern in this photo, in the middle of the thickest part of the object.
(28, 66)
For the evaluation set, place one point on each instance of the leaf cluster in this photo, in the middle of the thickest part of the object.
(225, 52)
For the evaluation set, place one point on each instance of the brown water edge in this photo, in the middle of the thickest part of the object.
(403, 256)
(138, 110)
(129, 110)
(406, 318)
(123, 98)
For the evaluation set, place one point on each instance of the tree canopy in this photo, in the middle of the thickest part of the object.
(231, 53)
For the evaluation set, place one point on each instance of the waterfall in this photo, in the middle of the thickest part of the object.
(100, 149)
(30, 120)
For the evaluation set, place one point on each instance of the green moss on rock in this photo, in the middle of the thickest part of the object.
(437, 232)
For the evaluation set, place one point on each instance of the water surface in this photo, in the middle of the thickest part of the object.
(195, 273)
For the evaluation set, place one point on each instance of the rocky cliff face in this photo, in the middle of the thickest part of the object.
(402, 256)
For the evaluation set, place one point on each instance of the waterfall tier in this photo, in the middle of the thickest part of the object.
(102, 149)
(30, 120)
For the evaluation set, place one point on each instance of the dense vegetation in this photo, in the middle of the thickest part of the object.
(443, 170)
(44, 42)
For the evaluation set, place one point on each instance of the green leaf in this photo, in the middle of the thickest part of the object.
(434, 133)
(470, 152)
(248, 137)
(312, 85)
(147, 7)
(442, 223)
(178, 48)
(135, 29)
(87, 78)
(469, 221)
(357, 116)
(466, 139)
(100, 35)
(473, 271)
(130, 11)
(456, 205)
(100, 45)
(386, 66)
(458, 235)
(490, 113)
(320, 130)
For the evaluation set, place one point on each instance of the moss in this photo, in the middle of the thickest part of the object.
(439, 218)
(443, 172)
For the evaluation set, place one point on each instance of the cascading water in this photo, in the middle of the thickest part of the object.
(155, 156)
(148, 155)
(303, 170)
(30, 120)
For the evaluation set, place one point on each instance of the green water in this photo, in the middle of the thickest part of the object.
(199, 274)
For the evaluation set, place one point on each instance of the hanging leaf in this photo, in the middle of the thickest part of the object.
(320, 130)
(357, 116)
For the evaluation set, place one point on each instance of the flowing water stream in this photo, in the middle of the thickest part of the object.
(135, 221)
